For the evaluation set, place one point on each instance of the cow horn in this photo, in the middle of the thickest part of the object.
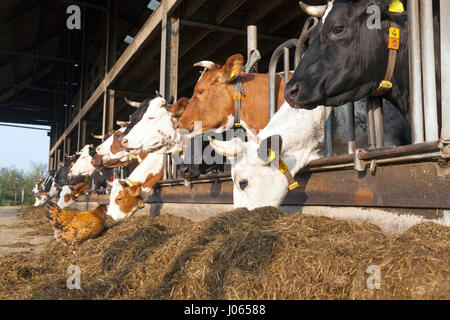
(314, 11)
(223, 148)
(97, 136)
(122, 124)
(206, 64)
(134, 104)
(158, 94)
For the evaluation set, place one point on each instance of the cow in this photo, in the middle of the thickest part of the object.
(346, 60)
(299, 133)
(83, 166)
(154, 132)
(70, 194)
(127, 195)
(212, 101)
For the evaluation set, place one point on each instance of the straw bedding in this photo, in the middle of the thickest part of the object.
(241, 254)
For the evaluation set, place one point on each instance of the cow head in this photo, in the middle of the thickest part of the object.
(177, 109)
(70, 194)
(154, 131)
(212, 101)
(110, 149)
(41, 199)
(125, 199)
(347, 56)
(83, 166)
(257, 180)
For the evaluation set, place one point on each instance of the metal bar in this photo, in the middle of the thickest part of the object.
(272, 70)
(415, 72)
(350, 110)
(370, 124)
(428, 70)
(252, 44)
(83, 133)
(111, 110)
(329, 131)
(14, 126)
(445, 68)
(68, 146)
(286, 65)
(379, 121)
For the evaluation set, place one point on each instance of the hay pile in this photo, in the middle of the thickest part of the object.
(241, 254)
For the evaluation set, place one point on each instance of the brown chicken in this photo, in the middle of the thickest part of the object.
(75, 227)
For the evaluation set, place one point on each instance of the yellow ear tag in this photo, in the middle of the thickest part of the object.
(271, 155)
(231, 75)
(142, 205)
(134, 157)
(396, 6)
(77, 194)
(72, 164)
(282, 167)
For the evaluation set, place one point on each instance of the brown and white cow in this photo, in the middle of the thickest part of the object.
(212, 102)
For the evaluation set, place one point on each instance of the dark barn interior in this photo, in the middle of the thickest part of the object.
(49, 72)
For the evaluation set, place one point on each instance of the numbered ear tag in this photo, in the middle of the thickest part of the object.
(394, 44)
(282, 167)
(394, 33)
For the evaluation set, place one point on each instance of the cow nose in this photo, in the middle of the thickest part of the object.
(243, 184)
(292, 94)
(124, 142)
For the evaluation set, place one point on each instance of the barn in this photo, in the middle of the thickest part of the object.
(70, 64)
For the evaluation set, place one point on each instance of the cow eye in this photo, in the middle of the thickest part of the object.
(151, 118)
(200, 91)
(338, 30)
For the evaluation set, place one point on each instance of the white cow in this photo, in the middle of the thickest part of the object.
(127, 195)
(154, 132)
(83, 166)
(257, 183)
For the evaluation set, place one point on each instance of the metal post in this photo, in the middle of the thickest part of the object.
(111, 110)
(105, 90)
(378, 121)
(83, 133)
(162, 68)
(64, 151)
(350, 110)
(68, 146)
(78, 135)
(415, 72)
(370, 124)
(272, 70)
(252, 44)
(286, 65)
(428, 70)
(23, 195)
(445, 68)
(329, 131)
(174, 35)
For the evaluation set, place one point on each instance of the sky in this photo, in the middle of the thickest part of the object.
(19, 146)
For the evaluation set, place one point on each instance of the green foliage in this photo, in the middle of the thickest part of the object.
(12, 180)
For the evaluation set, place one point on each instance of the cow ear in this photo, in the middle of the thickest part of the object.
(233, 67)
(135, 191)
(178, 107)
(270, 148)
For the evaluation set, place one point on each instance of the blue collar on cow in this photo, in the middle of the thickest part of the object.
(393, 45)
(237, 97)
